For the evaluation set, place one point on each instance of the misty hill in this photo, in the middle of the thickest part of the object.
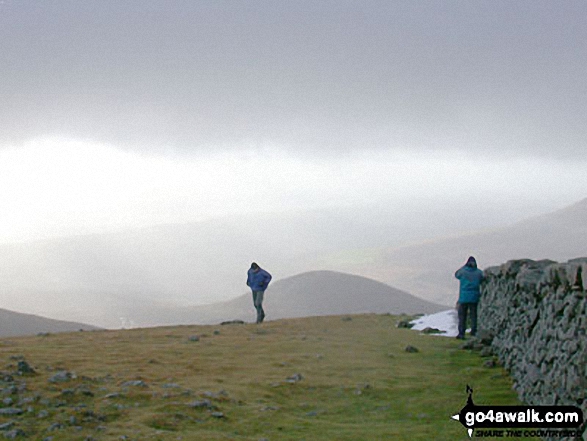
(317, 293)
(427, 269)
(111, 279)
(16, 324)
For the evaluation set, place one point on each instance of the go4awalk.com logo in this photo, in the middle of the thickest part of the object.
(518, 421)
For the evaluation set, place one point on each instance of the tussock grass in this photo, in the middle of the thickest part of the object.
(357, 382)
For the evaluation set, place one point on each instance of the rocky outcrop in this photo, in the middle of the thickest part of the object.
(536, 312)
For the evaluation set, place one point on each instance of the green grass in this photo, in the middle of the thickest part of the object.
(358, 382)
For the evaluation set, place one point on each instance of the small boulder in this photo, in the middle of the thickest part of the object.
(232, 322)
(24, 368)
(411, 349)
(294, 378)
(62, 377)
(430, 330)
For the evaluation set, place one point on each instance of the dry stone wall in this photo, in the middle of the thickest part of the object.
(536, 314)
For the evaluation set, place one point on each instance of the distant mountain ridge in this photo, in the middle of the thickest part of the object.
(426, 270)
(13, 324)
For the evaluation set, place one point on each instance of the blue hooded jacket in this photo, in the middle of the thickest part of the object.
(258, 280)
(470, 277)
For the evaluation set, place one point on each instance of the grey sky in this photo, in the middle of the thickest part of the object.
(491, 76)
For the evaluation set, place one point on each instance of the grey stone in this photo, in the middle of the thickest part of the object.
(10, 411)
(24, 368)
(7, 426)
(14, 433)
(429, 330)
(134, 383)
(55, 426)
(411, 349)
(201, 404)
(232, 322)
(294, 378)
(62, 377)
(486, 352)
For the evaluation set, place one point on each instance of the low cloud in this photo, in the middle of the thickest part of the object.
(58, 186)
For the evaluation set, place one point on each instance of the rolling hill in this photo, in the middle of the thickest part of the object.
(316, 293)
(17, 324)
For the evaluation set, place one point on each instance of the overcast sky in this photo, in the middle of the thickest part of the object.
(122, 113)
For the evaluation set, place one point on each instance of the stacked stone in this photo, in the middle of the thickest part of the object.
(536, 313)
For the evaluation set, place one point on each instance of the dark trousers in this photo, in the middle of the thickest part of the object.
(464, 309)
(258, 302)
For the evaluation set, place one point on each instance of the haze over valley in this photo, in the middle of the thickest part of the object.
(150, 151)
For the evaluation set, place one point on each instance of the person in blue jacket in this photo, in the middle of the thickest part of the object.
(258, 279)
(470, 278)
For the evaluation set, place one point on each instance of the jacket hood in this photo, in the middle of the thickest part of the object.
(471, 262)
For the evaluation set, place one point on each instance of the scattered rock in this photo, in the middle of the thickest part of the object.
(10, 411)
(216, 332)
(24, 368)
(67, 392)
(232, 322)
(194, 338)
(485, 337)
(404, 324)
(217, 415)
(294, 378)
(7, 426)
(55, 426)
(489, 364)
(62, 377)
(429, 330)
(347, 319)
(134, 383)
(14, 433)
(412, 349)
(486, 351)
(200, 404)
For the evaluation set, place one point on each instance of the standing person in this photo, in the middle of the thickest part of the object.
(258, 279)
(470, 278)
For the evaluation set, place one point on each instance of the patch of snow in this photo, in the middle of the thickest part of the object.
(446, 321)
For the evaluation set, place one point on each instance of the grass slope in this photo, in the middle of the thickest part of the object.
(357, 382)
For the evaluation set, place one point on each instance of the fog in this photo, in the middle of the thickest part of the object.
(57, 187)
(368, 124)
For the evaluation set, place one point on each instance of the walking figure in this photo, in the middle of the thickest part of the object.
(258, 279)
(470, 278)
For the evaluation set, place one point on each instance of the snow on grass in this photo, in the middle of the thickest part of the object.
(445, 321)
